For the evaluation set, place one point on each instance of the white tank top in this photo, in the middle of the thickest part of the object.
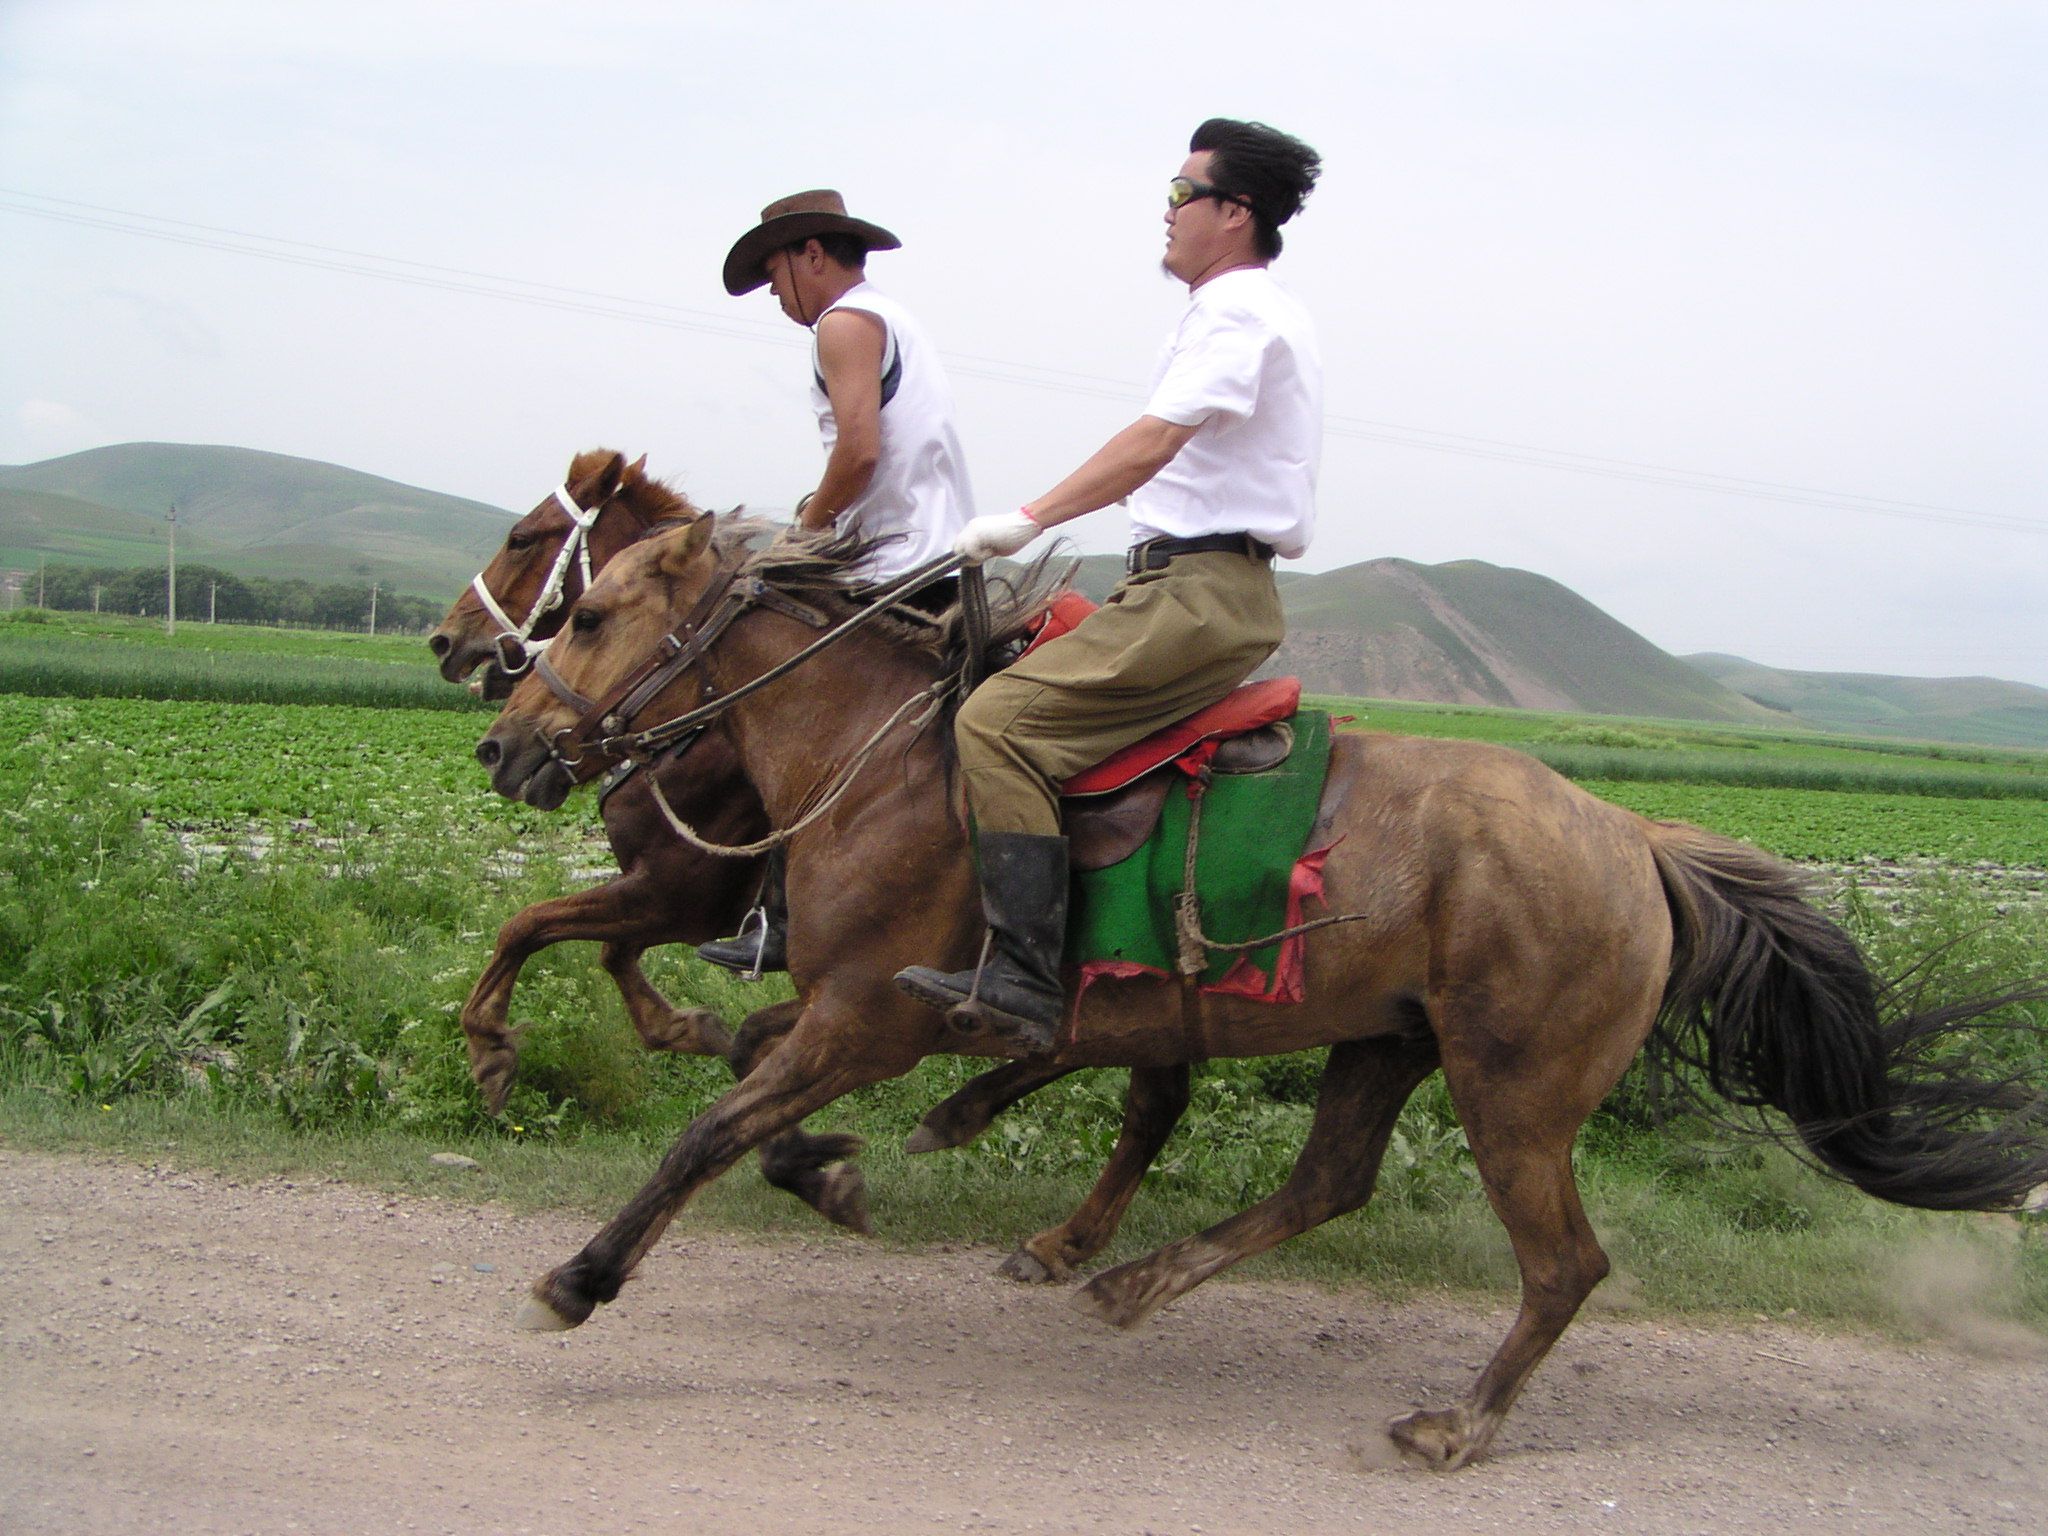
(920, 492)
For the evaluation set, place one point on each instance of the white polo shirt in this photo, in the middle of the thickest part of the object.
(919, 498)
(1243, 369)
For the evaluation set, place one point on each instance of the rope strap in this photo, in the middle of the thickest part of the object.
(931, 697)
(1192, 946)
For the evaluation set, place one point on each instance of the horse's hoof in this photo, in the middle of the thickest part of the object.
(925, 1139)
(843, 1199)
(1440, 1438)
(537, 1316)
(1026, 1268)
(494, 1084)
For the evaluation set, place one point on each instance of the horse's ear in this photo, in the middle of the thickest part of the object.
(637, 470)
(689, 541)
(611, 477)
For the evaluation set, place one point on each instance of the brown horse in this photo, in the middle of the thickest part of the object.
(666, 892)
(1513, 931)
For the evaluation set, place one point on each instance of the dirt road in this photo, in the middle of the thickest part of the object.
(184, 1353)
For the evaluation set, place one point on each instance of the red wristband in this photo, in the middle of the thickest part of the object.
(1028, 516)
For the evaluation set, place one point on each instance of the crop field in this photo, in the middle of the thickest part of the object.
(84, 656)
(267, 910)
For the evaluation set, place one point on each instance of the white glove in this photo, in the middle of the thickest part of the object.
(999, 533)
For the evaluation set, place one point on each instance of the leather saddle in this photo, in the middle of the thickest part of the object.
(1111, 809)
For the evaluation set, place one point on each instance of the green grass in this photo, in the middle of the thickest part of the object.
(297, 1013)
(1667, 751)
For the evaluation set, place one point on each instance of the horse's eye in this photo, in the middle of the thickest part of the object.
(586, 620)
(519, 543)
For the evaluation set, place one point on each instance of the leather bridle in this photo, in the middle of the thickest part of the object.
(605, 723)
(515, 647)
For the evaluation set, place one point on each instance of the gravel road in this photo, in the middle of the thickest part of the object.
(183, 1352)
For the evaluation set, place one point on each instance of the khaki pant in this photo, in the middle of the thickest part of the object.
(1167, 643)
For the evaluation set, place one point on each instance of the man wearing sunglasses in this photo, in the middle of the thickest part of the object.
(1219, 474)
(894, 472)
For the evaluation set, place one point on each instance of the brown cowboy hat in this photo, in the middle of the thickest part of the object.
(790, 221)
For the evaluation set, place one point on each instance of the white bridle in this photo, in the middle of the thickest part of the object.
(574, 548)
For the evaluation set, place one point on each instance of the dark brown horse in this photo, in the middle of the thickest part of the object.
(1515, 932)
(666, 891)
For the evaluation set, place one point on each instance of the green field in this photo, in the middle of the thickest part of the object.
(69, 655)
(248, 926)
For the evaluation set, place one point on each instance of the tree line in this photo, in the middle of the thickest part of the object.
(231, 599)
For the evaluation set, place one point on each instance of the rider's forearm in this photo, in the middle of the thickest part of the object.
(848, 472)
(1112, 472)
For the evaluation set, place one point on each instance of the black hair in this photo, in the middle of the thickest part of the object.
(847, 250)
(1273, 172)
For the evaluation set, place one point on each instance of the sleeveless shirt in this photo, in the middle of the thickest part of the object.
(919, 498)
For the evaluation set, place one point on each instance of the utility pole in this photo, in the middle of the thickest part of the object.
(171, 606)
(212, 599)
(373, 607)
(95, 599)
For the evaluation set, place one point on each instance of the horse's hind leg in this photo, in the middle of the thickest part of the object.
(1153, 1105)
(1521, 1117)
(1365, 1083)
(966, 1113)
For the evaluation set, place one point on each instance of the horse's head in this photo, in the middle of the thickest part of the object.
(612, 631)
(519, 600)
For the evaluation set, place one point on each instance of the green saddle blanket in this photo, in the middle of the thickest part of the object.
(1254, 830)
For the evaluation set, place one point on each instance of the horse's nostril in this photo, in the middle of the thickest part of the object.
(487, 752)
(440, 645)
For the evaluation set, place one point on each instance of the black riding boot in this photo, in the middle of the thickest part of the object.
(1015, 993)
(758, 948)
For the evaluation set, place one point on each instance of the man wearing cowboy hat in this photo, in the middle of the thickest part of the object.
(894, 472)
(1219, 473)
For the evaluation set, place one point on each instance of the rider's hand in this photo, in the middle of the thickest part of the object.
(999, 533)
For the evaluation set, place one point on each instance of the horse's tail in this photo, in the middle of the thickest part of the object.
(1777, 1006)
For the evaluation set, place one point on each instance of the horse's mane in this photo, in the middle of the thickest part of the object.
(656, 500)
(826, 568)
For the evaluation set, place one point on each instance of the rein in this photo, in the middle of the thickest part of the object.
(722, 602)
(575, 549)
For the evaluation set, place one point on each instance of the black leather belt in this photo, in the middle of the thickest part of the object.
(1153, 554)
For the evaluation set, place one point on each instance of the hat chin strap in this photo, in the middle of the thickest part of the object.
(796, 294)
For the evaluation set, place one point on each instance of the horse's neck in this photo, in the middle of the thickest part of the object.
(796, 736)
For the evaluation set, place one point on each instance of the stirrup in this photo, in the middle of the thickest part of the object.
(757, 920)
(759, 916)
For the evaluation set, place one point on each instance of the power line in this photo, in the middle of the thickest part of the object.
(560, 297)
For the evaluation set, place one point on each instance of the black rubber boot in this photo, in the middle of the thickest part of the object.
(762, 943)
(1015, 993)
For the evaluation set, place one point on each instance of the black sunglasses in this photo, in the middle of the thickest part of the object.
(1181, 191)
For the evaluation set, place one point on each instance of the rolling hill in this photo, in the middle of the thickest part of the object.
(1974, 709)
(253, 513)
(1473, 633)
(1465, 632)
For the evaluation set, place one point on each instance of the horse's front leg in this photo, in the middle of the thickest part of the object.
(601, 912)
(661, 1025)
(816, 1167)
(826, 1056)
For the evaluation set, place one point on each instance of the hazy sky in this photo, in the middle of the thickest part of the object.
(1575, 266)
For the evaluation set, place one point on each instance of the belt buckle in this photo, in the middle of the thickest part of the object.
(1134, 558)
